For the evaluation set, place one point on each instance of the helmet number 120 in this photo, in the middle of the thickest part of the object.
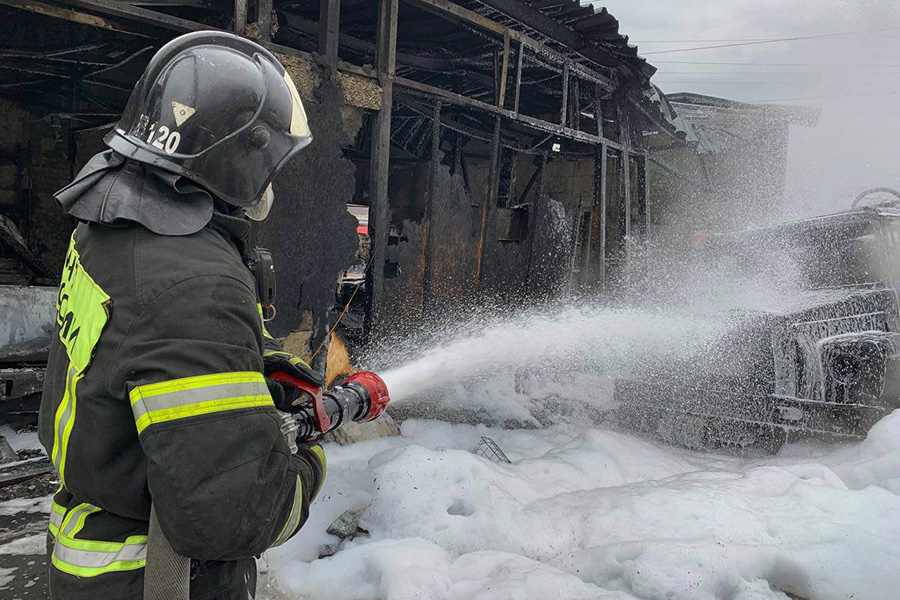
(165, 140)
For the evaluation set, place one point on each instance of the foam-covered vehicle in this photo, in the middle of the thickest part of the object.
(819, 359)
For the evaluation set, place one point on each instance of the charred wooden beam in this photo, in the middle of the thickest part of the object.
(140, 15)
(533, 216)
(311, 28)
(596, 240)
(380, 163)
(240, 16)
(487, 203)
(329, 30)
(73, 16)
(564, 110)
(428, 243)
(264, 17)
(534, 123)
(625, 175)
(520, 54)
(501, 102)
(645, 196)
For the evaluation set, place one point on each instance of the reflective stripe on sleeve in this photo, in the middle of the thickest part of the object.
(193, 396)
(320, 453)
(293, 521)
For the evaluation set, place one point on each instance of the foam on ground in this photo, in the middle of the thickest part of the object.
(599, 514)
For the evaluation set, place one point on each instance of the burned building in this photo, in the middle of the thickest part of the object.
(502, 147)
(732, 172)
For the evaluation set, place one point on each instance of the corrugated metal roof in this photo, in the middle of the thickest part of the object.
(594, 24)
(597, 25)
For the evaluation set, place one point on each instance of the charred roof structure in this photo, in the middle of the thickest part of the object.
(503, 147)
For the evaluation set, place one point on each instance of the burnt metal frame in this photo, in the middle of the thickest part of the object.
(386, 60)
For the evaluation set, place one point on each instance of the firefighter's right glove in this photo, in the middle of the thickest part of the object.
(299, 381)
(312, 468)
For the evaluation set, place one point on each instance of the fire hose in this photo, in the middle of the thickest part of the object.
(359, 398)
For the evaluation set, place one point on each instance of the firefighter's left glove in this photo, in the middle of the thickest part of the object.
(299, 381)
(312, 468)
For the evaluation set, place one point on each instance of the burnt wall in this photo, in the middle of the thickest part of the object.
(310, 233)
(34, 165)
(515, 269)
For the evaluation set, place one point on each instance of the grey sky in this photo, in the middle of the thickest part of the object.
(857, 143)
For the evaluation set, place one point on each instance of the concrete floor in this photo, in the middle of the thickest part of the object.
(29, 581)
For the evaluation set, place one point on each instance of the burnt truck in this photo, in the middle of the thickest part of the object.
(820, 359)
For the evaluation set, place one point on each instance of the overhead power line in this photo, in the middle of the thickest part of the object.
(697, 41)
(686, 81)
(667, 73)
(778, 64)
(772, 41)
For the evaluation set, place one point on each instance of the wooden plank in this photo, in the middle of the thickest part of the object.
(625, 176)
(380, 160)
(24, 472)
(264, 11)
(72, 16)
(564, 110)
(645, 197)
(597, 237)
(503, 72)
(329, 30)
(539, 124)
(487, 204)
(519, 56)
(240, 17)
(428, 245)
(533, 216)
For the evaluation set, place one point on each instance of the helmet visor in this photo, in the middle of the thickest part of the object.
(260, 210)
(299, 124)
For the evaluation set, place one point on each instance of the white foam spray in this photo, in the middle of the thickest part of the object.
(500, 367)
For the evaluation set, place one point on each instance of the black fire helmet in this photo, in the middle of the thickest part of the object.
(218, 110)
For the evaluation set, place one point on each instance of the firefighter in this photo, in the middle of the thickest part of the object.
(156, 388)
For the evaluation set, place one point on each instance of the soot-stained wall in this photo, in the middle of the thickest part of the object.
(43, 155)
(532, 267)
(310, 233)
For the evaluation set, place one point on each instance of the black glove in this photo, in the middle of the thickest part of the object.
(286, 399)
(279, 360)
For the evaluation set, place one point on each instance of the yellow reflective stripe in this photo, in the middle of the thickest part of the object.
(292, 523)
(77, 517)
(64, 421)
(193, 396)
(87, 558)
(57, 513)
(262, 321)
(318, 451)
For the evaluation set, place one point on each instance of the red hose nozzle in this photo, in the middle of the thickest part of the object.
(377, 391)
